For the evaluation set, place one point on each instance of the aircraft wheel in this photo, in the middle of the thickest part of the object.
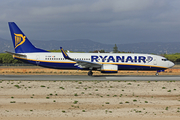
(90, 73)
(157, 74)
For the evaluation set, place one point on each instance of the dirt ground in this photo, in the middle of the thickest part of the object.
(86, 100)
(101, 100)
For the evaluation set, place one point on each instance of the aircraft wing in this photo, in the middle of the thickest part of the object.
(87, 64)
(81, 63)
(16, 54)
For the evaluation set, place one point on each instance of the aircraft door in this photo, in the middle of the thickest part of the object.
(155, 61)
(37, 59)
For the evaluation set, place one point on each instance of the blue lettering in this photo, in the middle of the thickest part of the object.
(94, 58)
(135, 59)
(111, 58)
(129, 58)
(142, 58)
(119, 58)
(103, 58)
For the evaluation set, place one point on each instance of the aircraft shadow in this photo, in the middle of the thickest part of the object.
(110, 75)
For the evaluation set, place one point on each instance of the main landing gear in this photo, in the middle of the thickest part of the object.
(90, 73)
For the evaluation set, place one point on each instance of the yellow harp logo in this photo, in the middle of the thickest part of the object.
(19, 39)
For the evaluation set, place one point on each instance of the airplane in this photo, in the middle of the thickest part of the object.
(103, 62)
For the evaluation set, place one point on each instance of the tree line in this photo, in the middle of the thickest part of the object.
(115, 50)
(6, 58)
(173, 57)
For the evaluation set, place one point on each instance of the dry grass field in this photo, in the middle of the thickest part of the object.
(86, 100)
(46, 71)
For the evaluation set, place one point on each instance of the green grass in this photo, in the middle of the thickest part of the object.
(163, 87)
(169, 91)
(75, 102)
(17, 86)
(62, 88)
(12, 101)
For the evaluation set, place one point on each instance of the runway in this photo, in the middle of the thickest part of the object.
(88, 78)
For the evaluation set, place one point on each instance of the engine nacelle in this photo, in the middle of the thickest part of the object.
(106, 68)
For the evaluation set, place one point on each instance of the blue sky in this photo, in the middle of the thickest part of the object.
(105, 21)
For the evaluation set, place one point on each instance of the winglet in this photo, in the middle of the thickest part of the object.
(64, 53)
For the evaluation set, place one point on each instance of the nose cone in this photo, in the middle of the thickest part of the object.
(171, 64)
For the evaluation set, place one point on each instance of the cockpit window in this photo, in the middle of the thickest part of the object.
(164, 59)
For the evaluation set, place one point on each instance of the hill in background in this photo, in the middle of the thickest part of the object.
(85, 45)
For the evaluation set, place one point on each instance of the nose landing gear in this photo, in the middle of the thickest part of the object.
(159, 72)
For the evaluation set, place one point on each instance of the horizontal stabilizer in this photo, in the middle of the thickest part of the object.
(16, 54)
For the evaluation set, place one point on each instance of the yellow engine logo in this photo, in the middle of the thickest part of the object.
(19, 39)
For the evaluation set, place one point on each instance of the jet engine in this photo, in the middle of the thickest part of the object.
(107, 68)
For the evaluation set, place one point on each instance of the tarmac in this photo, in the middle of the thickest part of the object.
(89, 78)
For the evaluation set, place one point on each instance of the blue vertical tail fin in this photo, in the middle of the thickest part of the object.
(20, 41)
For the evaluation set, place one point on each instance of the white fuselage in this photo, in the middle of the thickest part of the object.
(124, 61)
